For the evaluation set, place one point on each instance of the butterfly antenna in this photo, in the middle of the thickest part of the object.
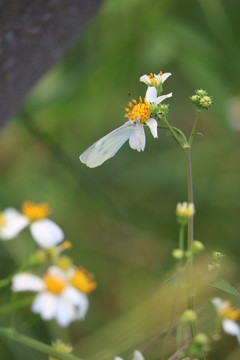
(129, 94)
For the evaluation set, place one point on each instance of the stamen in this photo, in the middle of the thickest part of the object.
(2, 220)
(35, 211)
(83, 281)
(160, 73)
(140, 111)
(54, 284)
(231, 313)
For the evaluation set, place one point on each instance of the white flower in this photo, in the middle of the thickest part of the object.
(11, 223)
(228, 315)
(44, 231)
(136, 356)
(140, 114)
(57, 298)
(154, 80)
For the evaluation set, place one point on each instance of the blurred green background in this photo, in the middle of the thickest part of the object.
(120, 217)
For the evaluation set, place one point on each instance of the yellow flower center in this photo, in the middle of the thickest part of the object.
(2, 220)
(140, 111)
(54, 284)
(35, 211)
(231, 313)
(153, 80)
(83, 281)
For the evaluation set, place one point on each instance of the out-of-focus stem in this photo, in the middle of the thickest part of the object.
(35, 344)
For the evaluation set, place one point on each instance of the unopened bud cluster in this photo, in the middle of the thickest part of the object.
(201, 100)
(196, 248)
(159, 109)
(217, 258)
(61, 347)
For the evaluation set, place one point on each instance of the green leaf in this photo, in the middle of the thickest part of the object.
(226, 287)
(181, 134)
(198, 133)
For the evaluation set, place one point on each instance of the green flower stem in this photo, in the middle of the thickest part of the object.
(12, 306)
(12, 334)
(190, 193)
(170, 128)
(190, 140)
(181, 237)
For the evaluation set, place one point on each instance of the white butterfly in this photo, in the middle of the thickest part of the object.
(106, 147)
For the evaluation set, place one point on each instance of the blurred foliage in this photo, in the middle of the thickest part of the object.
(121, 217)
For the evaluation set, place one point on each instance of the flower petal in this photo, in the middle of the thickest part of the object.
(231, 327)
(151, 94)
(137, 355)
(145, 79)
(138, 139)
(65, 312)
(27, 282)
(152, 124)
(14, 223)
(45, 305)
(161, 98)
(220, 305)
(162, 77)
(79, 299)
(46, 233)
(118, 358)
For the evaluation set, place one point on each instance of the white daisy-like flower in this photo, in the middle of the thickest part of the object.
(228, 315)
(44, 231)
(11, 223)
(139, 113)
(154, 80)
(59, 297)
(137, 355)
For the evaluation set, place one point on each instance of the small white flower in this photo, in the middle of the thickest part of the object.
(44, 231)
(140, 114)
(57, 298)
(136, 356)
(228, 315)
(154, 80)
(11, 223)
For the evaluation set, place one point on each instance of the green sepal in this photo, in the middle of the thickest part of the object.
(226, 287)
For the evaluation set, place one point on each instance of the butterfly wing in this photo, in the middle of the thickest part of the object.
(106, 147)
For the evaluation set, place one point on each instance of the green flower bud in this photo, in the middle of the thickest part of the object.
(163, 111)
(201, 92)
(178, 254)
(197, 247)
(201, 339)
(217, 256)
(201, 100)
(61, 347)
(206, 102)
(154, 108)
(195, 99)
(188, 317)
